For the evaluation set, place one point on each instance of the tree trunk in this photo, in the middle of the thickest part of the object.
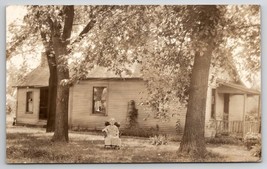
(52, 88)
(60, 43)
(62, 99)
(193, 141)
(52, 95)
(61, 121)
(53, 80)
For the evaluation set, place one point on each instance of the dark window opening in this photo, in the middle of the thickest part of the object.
(99, 100)
(43, 103)
(29, 102)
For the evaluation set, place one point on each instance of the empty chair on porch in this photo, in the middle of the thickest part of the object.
(112, 135)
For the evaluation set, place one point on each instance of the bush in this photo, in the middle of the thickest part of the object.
(253, 143)
(158, 140)
(84, 129)
(175, 138)
(223, 140)
(178, 127)
(8, 109)
(140, 132)
(251, 139)
(256, 150)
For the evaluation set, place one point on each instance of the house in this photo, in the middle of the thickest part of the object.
(231, 105)
(104, 95)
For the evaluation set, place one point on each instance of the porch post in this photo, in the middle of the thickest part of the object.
(259, 111)
(244, 114)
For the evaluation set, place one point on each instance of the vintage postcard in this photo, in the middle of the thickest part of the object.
(133, 83)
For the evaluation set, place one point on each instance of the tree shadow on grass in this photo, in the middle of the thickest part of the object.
(29, 148)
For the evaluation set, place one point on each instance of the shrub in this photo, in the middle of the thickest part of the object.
(175, 138)
(84, 129)
(178, 127)
(139, 132)
(251, 139)
(256, 150)
(132, 114)
(158, 140)
(223, 140)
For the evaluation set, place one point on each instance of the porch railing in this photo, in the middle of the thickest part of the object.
(236, 127)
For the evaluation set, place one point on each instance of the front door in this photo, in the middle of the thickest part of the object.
(43, 103)
(226, 112)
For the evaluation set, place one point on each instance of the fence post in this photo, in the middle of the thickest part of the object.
(244, 114)
(259, 114)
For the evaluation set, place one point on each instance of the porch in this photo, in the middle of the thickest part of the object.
(238, 110)
(237, 128)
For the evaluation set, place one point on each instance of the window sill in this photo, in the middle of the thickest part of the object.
(98, 114)
(28, 112)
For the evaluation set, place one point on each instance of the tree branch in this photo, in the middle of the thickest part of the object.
(14, 46)
(245, 26)
(92, 22)
(87, 28)
(19, 38)
(69, 12)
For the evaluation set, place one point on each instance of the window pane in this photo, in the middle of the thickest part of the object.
(99, 102)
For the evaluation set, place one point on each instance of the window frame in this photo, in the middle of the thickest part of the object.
(27, 104)
(93, 101)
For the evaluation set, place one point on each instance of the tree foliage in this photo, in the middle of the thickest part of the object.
(164, 41)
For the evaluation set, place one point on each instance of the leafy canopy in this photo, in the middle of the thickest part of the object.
(160, 40)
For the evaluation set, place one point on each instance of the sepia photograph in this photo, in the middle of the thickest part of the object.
(133, 83)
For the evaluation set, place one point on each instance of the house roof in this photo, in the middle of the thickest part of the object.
(233, 88)
(102, 72)
(39, 77)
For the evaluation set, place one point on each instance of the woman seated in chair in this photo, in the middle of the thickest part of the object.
(112, 134)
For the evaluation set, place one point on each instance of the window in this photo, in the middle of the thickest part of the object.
(29, 102)
(100, 100)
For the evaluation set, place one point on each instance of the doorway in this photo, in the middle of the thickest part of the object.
(43, 109)
(226, 112)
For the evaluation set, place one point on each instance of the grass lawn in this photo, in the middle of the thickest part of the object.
(33, 145)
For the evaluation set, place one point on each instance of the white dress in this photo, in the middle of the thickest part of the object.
(112, 138)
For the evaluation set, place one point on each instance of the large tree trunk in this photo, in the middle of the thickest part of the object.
(193, 141)
(61, 121)
(62, 99)
(52, 88)
(52, 95)
(204, 29)
(60, 47)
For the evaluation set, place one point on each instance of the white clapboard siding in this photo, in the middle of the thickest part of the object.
(120, 92)
(22, 116)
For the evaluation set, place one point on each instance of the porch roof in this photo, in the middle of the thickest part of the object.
(232, 88)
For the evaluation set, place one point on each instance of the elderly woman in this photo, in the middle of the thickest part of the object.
(112, 139)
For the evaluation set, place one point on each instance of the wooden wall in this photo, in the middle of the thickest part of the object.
(120, 92)
(236, 107)
(22, 116)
